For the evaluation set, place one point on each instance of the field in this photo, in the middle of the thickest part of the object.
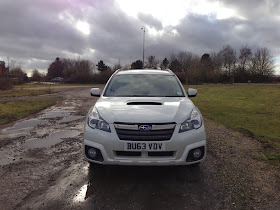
(251, 109)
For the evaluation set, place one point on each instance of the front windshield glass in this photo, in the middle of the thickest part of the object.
(144, 85)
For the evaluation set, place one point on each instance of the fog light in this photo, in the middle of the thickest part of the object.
(197, 153)
(92, 152)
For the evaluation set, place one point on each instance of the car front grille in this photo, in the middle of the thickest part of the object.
(158, 132)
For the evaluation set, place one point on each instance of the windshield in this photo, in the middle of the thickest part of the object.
(144, 85)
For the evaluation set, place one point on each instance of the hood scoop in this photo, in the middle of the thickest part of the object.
(144, 103)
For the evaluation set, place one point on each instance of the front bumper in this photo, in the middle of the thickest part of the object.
(180, 144)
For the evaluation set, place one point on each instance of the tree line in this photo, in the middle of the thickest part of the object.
(79, 71)
(225, 66)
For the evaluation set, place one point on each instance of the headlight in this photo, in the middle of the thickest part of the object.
(96, 122)
(193, 122)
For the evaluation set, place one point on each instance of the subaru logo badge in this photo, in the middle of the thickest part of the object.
(145, 127)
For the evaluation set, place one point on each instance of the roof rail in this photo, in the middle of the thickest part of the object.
(169, 70)
(118, 70)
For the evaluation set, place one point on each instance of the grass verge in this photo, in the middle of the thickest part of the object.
(39, 89)
(11, 111)
(24, 92)
(253, 110)
(50, 85)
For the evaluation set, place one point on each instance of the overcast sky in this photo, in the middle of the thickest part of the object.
(35, 32)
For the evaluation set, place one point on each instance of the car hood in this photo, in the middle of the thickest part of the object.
(144, 109)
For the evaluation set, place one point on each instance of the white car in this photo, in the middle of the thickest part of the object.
(144, 117)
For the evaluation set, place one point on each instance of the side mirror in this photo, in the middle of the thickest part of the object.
(95, 92)
(192, 92)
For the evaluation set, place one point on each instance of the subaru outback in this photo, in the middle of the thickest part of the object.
(144, 117)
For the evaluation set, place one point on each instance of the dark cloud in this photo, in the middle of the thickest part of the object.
(30, 30)
(150, 21)
(255, 9)
(36, 32)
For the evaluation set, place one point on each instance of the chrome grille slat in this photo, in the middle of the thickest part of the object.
(145, 133)
(135, 126)
(126, 126)
(159, 132)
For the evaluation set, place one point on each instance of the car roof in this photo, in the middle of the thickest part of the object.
(144, 71)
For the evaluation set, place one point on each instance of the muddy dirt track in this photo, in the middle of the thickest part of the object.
(42, 167)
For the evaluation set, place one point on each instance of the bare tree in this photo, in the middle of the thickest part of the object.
(194, 74)
(175, 66)
(36, 75)
(12, 64)
(217, 60)
(152, 62)
(116, 67)
(262, 63)
(172, 57)
(185, 58)
(245, 57)
(77, 70)
(84, 70)
(181, 57)
(126, 66)
(228, 55)
(19, 75)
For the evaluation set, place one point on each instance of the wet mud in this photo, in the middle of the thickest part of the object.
(51, 140)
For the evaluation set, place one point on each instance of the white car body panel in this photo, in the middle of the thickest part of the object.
(172, 110)
(115, 109)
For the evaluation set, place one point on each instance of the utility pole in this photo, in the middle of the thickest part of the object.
(143, 28)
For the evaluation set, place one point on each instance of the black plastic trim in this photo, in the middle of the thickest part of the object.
(161, 154)
(191, 158)
(98, 157)
(128, 153)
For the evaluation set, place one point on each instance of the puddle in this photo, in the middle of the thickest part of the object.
(62, 109)
(12, 135)
(70, 119)
(81, 196)
(51, 140)
(54, 114)
(6, 158)
(59, 126)
(6, 161)
(27, 124)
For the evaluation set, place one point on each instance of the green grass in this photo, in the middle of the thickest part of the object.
(11, 111)
(39, 89)
(39, 85)
(253, 110)
(24, 92)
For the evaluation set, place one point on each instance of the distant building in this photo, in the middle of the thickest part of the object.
(3, 70)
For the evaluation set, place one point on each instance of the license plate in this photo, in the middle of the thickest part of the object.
(144, 146)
